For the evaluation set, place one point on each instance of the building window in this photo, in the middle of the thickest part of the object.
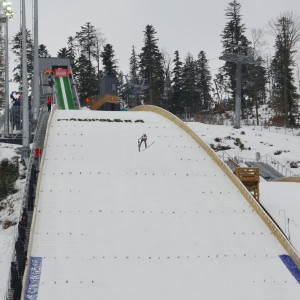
(113, 87)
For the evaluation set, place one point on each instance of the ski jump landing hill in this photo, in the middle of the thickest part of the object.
(171, 222)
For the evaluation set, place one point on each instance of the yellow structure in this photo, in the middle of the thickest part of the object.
(287, 179)
(107, 98)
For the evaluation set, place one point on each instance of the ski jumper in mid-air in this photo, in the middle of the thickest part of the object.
(142, 139)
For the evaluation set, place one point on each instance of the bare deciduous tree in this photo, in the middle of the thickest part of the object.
(258, 41)
(100, 42)
(287, 27)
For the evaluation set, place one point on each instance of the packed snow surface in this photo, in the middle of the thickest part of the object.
(164, 223)
(282, 145)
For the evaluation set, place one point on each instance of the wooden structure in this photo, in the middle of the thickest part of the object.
(102, 100)
(108, 95)
(287, 179)
(250, 178)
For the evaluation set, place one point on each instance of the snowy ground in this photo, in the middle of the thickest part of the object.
(280, 143)
(279, 198)
(10, 211)
(164, 223)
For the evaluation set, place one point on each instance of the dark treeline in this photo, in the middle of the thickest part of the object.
(183, 83)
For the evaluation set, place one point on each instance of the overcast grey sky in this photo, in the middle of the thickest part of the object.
(187, 26)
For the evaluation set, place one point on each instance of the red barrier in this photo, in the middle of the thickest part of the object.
(61, 72)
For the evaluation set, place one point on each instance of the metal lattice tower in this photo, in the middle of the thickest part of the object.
(136, 86)
(238, 56)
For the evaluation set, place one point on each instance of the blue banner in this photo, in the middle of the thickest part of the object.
(33, 280)
(292, 267)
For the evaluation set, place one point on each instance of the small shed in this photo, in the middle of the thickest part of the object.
(109, 85)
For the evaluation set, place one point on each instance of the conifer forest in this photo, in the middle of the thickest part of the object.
(181, 82)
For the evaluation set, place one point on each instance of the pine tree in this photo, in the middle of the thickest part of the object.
(16, 49)
(62, 53)
(71, 54)
(133, 82)
(90, 41)
(84, 43)
(87, 40)
(167, 92)
(177, 104)
(87, 79)
(234, 35)
(286, 29)
(256, 88)
(277, 99)
(203, 85)
(151, 68)
(133, 66)
(122, 88)
(83, 51)
(167, 96)
(43, 51)
(189, 80)
(108, 61)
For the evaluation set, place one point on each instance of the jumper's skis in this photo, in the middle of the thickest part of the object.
(148, 146)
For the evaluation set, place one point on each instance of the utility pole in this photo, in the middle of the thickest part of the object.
(25, 113)
(36, 91)
(236, 56)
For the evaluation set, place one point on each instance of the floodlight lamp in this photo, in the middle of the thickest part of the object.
(7, 4)
(9, 15)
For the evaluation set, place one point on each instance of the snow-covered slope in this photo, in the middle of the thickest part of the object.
(165, 223)
(9, 211)
(279, 143)
(279, 198)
